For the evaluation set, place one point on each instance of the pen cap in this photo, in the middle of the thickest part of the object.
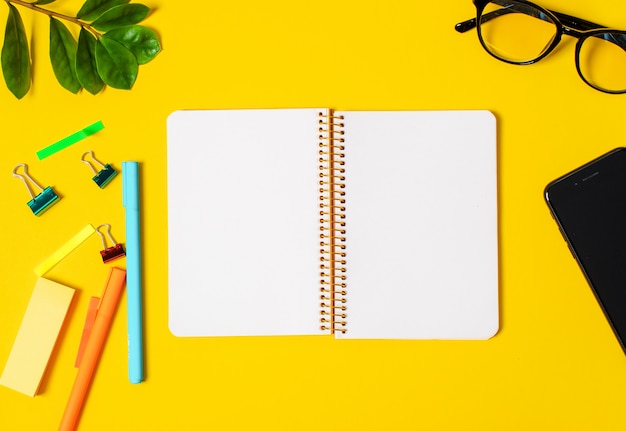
(130, 184)
(112, 291)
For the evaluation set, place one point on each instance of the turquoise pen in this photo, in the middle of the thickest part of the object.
(130, 197)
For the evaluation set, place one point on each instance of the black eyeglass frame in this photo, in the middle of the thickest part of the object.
(565, 25)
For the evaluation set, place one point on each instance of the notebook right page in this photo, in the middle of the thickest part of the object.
(421, 221)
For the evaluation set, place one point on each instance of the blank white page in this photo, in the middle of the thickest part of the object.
(422, 243)
(243, 222)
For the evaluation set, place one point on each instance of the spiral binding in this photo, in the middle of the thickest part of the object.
(332, 223)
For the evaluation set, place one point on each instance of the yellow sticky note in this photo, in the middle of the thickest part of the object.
(37, 336)
(64, 250)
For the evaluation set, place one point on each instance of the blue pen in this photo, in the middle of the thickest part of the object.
(130, 195)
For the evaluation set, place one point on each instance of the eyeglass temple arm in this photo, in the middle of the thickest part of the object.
(576, 23)
(567, 20)
(571, 22)
(464, 26)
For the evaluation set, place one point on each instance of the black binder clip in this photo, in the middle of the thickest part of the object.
(110, 253)
(40, 202)
(106, 173)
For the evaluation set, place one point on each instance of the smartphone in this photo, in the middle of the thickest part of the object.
(589, 206)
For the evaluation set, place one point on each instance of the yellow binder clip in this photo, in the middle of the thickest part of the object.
(44, 199)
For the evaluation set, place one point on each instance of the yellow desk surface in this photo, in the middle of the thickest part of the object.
(554, 364)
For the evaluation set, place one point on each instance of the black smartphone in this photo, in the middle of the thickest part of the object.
(589, 205)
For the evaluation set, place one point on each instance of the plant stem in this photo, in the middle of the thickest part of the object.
(54, 14)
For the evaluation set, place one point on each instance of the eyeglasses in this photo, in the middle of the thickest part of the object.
(520, 32)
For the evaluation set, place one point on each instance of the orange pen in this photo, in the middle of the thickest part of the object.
(95, 343)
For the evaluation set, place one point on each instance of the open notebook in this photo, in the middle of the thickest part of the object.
(312, 221)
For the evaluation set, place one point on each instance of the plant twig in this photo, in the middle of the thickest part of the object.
(54, 14)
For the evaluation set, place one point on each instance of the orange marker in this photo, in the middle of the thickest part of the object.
(92, 310)
(95, 343)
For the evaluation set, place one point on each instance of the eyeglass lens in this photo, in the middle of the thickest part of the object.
(602, 61)
(515, 31)
(521, 33)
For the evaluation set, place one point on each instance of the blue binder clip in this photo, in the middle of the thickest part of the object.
(40, 202)
(110, 253)
(106, 173)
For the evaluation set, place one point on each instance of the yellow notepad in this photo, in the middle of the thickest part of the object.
(311, 221)
(37, 336)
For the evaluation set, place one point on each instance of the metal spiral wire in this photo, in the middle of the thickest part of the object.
(332, 223)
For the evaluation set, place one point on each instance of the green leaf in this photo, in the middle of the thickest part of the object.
(117, 65)
(86, 68)
(92, 9)
(63, 55)
(120, 16)
(15, 58)
(44, 1)
(142, 41)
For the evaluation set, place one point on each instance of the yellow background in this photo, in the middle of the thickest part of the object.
(554, 364)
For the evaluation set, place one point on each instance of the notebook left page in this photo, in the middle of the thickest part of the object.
(243, 222)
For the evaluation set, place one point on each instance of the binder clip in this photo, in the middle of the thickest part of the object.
(106, 173)
(40, 202)
(110, 253)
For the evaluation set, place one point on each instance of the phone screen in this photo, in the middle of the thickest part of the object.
(589, 204)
